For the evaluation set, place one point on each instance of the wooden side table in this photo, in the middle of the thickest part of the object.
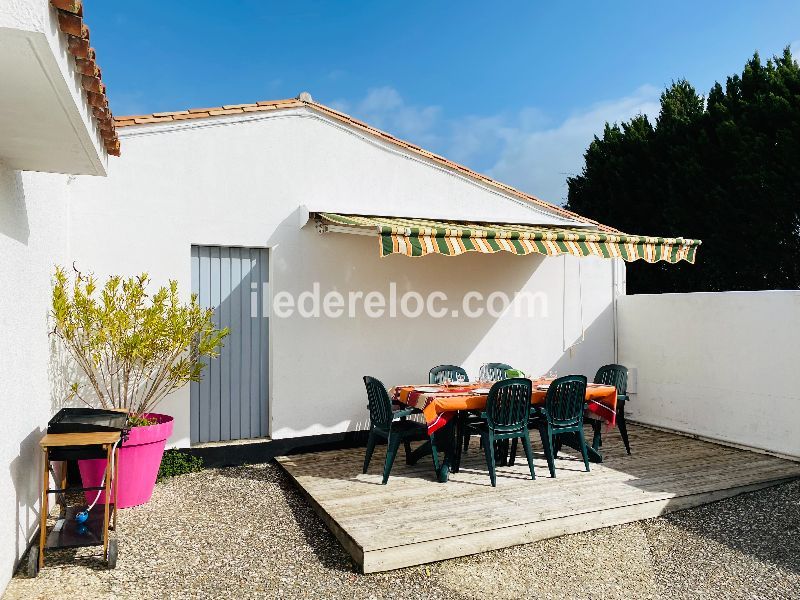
(68, 533)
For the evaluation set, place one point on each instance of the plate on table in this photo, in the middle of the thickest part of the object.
(481, 390)
(427, 389)
(543, 387)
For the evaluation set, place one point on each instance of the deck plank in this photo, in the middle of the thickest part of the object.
(414, 519)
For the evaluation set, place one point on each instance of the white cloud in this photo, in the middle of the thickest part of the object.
(526, 148)
(539, 161)
(385, 109)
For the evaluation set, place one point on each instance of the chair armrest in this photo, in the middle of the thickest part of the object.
(622, 397)
(403, 413)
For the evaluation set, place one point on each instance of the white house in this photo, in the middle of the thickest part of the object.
(255, 207)
(227, 201)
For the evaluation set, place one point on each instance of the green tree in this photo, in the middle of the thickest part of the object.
(724, 169)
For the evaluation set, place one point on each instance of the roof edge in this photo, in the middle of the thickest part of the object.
(72, 25)
(268, 105)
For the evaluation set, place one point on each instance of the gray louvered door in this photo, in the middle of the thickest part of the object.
(230, 402)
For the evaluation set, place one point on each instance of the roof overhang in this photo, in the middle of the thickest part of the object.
(420, 237)
(53, 116)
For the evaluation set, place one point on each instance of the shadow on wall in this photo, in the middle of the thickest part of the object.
(25, 472)
(402, 349)
(397, 349)
(63, 372)
(13, 211)
(596, 332)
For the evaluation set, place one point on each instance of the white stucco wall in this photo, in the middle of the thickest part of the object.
(30, 15)
(225, 183)
(33, 217)
(719, 365)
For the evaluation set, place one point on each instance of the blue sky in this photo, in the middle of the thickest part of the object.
(512, 89)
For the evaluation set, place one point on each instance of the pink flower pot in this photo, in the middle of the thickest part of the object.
(139, 459)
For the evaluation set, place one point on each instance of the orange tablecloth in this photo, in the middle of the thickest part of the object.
(440, 406)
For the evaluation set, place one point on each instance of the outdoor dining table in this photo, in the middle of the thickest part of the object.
(445, 408)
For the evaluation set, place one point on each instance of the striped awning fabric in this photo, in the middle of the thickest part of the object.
(418, 237)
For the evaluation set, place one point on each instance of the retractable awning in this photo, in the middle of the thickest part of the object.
(418, 237)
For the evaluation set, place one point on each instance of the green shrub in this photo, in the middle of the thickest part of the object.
(176, 462)
(134, 345)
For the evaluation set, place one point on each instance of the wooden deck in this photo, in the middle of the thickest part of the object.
(414, 520)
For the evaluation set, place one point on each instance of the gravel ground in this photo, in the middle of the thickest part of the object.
(245, 532)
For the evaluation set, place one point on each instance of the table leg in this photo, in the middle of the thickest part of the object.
(63, 495)
(43, 509)
(595, 456)
(107, 498)
(446, 438)
(114, 483)
(597, 439)
(572, 440)
(501, 453)
(420, 452)
(460, 419)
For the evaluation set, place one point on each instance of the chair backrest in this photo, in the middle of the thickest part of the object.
(565, 399)
(442, 372)
(495, 371)
(378, 403)
(616, 375)
(508, 405)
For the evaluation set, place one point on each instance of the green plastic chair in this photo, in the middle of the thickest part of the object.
(562, 414)
(391, 426)
(616, 375)
(494, 372)
(442, 372)
(506, 418)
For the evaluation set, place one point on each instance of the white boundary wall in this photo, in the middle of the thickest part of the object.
(718, 365)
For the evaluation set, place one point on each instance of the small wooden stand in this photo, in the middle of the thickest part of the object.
(67, 533)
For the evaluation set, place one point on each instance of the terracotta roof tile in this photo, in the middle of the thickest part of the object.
(143, 120)
(87, 66)
(222, 111)
(258, 108)
(231, 109)
(70, 22)
(92, 84)
(72, 6)
(168, 114)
